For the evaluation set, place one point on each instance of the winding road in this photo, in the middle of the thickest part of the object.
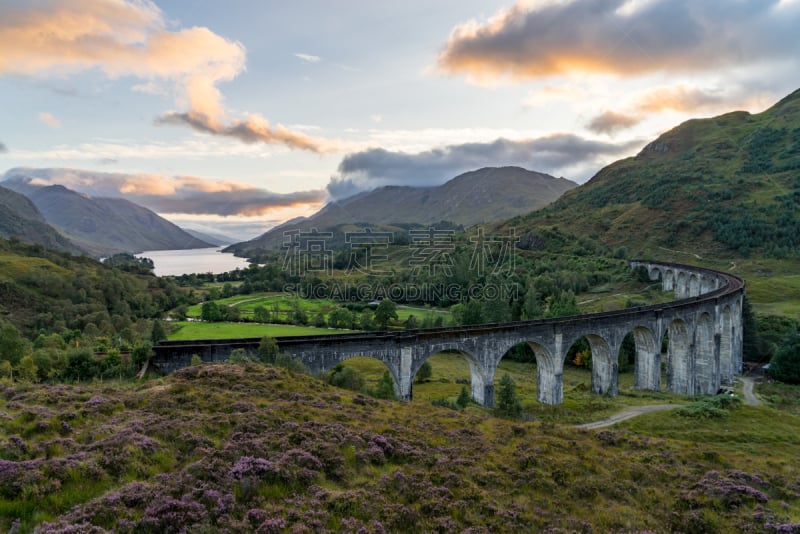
(627, 414)
(749, 397)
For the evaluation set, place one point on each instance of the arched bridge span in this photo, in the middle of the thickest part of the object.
(703, 327)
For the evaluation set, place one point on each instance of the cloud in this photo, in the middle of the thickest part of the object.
(555, 154)
(678, 98)
(129, 38)
(252, 130)
(610, 121)
(165, 194)
(308, 58)
(49, 120)
(621, 37)
(3, 148)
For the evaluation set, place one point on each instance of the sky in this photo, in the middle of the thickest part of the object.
(237, 115)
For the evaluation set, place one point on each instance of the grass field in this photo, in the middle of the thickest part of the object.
(281, 306)
(182, 330)
(451, 372)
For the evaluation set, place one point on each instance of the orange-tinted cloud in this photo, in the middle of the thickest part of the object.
(680, 98)
(49, 120)
(253, 129)
(621, 37)
(170, 194)
(129, 38)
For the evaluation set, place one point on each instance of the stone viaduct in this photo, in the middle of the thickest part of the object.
(702, 327)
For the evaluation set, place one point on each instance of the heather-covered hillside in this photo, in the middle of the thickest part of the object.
(251, 448)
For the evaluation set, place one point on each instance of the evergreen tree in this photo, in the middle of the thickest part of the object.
(385, 389)
(785, 365)
(508, 404)
(464, 398)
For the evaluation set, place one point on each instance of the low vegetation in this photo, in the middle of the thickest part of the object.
(247, 447)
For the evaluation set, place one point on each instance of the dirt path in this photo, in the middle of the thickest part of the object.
(627, 414)
(749, 397)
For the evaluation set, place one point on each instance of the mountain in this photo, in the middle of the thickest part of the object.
(213, 238)
(104, 226)
(484, 195)
(20, 219)
(722, 187)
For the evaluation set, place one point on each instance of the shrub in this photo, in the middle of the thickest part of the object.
(424, 373)
(346, 377)
(385, 388)
(710, 407)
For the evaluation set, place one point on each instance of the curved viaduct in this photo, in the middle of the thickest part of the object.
(703, 327)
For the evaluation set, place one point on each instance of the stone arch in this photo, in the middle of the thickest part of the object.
(694, 285)
(398, 390)
(726, 342)
(647, 367)
(706, 368)
(681, 285)
(655, 273)
(481, 381)
(668, 282)
(605, 369)
(679, 358)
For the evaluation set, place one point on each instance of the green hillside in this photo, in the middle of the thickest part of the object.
(20, 219)
(725, 187)
(43, 291)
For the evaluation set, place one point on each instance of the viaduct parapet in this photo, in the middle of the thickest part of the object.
(702, 330)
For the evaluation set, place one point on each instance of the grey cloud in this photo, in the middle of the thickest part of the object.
(556, 154)
(611, 121)
(3, 148)
(178, 194)
(245, 202)
(600, 36)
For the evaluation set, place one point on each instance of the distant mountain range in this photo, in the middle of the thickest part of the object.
(722, 187)
(481, 196)
(101, 226)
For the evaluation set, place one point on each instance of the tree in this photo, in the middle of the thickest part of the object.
(508, 404)
(385, 389)
(386, 311)
(159, 334)
(340, 318)
(12, 345)
(532, 306)
(27, 370)
(424, 373)
(211, 312)
(239, 356)
(261, 314)
(267, 349)
(785, 365)
(464, 398)
(751, 340)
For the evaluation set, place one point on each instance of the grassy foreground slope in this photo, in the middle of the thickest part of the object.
(243, 448)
